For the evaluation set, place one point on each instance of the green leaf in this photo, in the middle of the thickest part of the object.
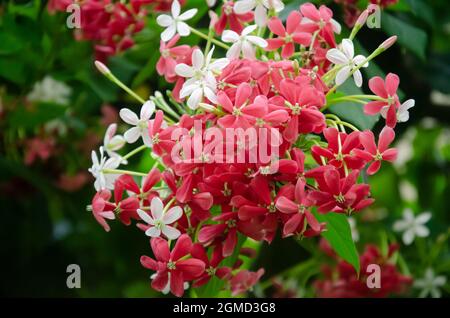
(352, 112)
(410, 37)
(339, 235)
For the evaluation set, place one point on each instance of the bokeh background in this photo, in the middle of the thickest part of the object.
(45, 153)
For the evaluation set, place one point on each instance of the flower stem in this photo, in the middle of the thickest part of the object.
(204, 36)
(133, 152)
(119, 171)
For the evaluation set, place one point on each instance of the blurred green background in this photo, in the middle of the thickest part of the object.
(44, 224)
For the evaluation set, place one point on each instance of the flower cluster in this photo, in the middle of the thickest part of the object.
(341, 282)
(109, 25)
(230, 158)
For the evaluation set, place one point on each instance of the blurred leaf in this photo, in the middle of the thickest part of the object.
(410, 37)
(30, 9)
(422, 10)
(12, 70)
(339, 235)
(9, 43)
(30, 119)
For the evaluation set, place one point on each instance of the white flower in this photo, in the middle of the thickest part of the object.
(200, 77)
(412, 226)
(243, 6)
(166, 289)
(354, 229)
(160, 220)
(174, 24)
(140, 124)
(345, 57)
(103, 180)
(244, 43)
(50, 90)
(113, 142)
(402, 111)
(430, 284)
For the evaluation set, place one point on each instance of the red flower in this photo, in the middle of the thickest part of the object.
(376, 154)
(244, 281)
(211, 265)
(388, 90)
(228, 16)
(340, 149)
(171, 55)
(288, 36)
(173, 268)
(297, 210)
(102, 209)
(320, 19)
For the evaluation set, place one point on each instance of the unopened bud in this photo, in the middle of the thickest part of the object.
(102, 68)
(388, 43)
(362, 18)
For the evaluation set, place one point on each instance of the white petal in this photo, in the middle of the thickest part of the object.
(170, 232)
(164, 20)
(410, 103)
(184, 70)
(347, 48)
(198, 59)
(244, 6)
(132, 135)
(168, 33)
(384, 111)
(187, 90)
(157, 207)
(153, 232)
(172, 215)
(195, 98)
(249, 29)
(219, 64)
(257, 41)
(248, 50)
(128, 116)
(234, 51)
(336, 56)
(342, 75)
(187, 15)
(422, 231)
(183, 29)
(439, 281)
(209, 93)
(357, 76)
(111, 216)
(423, 218)
(408, 215)
(359, 59)
(116, 143)
(230, 36)
(175, 9)
(147, 110)
(260, 15)
(145, 217)
(336, 26)
(146, 138)
(400, 226)
(408, 236)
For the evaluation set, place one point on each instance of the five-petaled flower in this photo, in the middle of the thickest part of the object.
(412, 226)
(175, 24)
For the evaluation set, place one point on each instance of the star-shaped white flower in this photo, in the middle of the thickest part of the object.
(261, 7)
(103, 180)
(175, 24)
(402, 111)
(244, 43)
(430, 284)
(345, 57)
(200, 76)
(140, 124)
(112, 142)
(160, 220)
(51, 91)
(412, 226)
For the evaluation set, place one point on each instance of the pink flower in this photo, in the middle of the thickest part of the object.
(320, 19)
(211, 264)
(172, 268)
(287, 37)
(297, 210)
(102, 209)
(374, 154)
(388, 90)
(239, 114)
(171, 55)
(229, 17)
(244, 281)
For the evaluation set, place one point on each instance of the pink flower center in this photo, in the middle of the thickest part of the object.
(211, 271)
(171, 266)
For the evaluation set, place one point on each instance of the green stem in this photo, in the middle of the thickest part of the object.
(119, 171)
(133, 152)
(204, 36)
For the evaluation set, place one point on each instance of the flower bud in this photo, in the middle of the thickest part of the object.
(102, 68)
(362, 18)
(388, 43)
